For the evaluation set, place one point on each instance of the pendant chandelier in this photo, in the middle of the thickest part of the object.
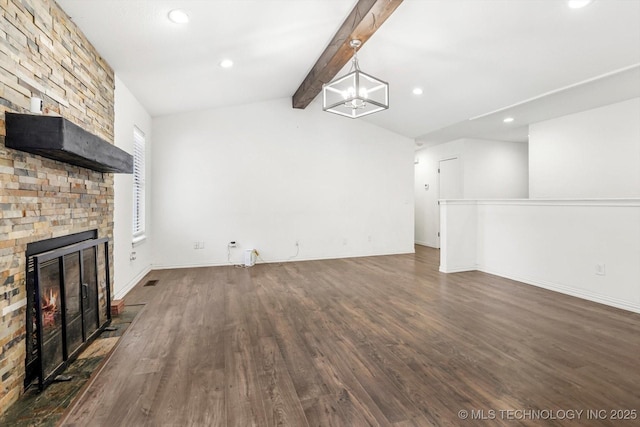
(355, 94)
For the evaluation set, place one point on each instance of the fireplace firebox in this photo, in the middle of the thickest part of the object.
(68, 301)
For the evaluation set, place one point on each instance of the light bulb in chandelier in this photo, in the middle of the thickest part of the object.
(351, 93)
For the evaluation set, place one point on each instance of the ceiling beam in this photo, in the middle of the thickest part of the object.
(364, 20)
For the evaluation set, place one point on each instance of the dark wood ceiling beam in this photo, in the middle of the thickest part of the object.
(364, 20)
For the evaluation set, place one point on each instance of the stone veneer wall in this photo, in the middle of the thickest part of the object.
(44, 54)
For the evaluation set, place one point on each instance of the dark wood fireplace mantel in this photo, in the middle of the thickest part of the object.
(58, 139)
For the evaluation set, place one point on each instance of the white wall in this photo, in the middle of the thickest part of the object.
(267, 175)
(459, 240)
(495, 170)
(129, 113)
(491, 169)
(592, 154)
(554, 244)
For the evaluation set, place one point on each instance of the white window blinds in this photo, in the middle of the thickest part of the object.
(138, 184)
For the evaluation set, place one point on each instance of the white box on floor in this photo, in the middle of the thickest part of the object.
(249, 257)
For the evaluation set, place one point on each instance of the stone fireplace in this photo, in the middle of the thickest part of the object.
(43, 54)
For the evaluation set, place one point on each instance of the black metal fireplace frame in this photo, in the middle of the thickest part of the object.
(38, 253)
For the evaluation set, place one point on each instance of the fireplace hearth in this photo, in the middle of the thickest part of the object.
(68, 301)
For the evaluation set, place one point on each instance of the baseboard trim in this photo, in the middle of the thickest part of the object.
(567, 290)
(427, 244)
(460, 269)
(132, 283)
(275, 261)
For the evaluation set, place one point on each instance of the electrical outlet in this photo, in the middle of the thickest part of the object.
(233, 244)
(601, 270)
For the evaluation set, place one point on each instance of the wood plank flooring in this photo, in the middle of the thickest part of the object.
(377, 341)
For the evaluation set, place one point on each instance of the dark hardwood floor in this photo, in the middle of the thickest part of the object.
(382, 341)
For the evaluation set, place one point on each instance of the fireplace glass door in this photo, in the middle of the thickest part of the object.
(51, 318)
(104, 307)
(73, 306)
(89, 291)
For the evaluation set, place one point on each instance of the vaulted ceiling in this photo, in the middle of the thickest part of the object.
(473, 59)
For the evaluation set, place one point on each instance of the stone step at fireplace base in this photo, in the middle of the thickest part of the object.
(117, 307)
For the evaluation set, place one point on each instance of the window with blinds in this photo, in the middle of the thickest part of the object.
(138, 184)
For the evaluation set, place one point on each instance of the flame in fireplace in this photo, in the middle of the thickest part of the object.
(49, 307)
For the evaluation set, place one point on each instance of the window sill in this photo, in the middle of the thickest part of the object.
(137, 241)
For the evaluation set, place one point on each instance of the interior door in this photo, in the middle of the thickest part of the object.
(450, 184)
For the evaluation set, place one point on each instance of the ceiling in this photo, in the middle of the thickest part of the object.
(474, 59)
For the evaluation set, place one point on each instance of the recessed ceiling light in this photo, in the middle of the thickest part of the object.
(508, 120)
(417, 91)
(226, 63)
(577, 4)
(178, 16)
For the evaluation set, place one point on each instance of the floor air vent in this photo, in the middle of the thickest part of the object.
(151, 283)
